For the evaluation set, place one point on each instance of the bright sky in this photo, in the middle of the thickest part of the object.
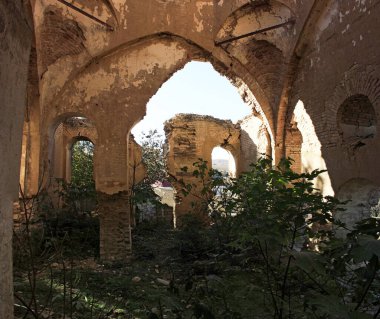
(198, 89)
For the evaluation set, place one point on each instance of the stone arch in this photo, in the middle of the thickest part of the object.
(362, 194)
(72, 130)
(358, 81)
(112, 91)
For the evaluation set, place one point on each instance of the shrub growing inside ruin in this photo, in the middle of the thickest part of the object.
(284, 229)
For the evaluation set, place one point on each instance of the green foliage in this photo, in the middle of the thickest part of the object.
(284, 227)
(82, 167)
(153, 157)
(268, 250)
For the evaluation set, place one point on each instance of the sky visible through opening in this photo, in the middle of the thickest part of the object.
(197, 89)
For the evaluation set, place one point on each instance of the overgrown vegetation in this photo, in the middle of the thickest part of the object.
(153, 158)
(268, 250)
(82, 185)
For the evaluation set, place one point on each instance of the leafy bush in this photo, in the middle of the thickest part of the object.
(284, 228)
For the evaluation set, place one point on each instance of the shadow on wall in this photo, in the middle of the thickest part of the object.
(311, 153)
(255, 141)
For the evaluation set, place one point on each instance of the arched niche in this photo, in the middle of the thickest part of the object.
(251, 17)
(356, 120)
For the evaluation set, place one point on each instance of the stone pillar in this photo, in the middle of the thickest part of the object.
(15, 42)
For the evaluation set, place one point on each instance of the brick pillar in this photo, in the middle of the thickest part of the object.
(115, 230)
(293, 144)
(111, 179)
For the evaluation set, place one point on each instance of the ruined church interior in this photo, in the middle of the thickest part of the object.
(70, 70)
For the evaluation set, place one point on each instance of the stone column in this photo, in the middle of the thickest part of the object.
(15, 42)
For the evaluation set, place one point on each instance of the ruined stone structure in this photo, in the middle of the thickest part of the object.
(192, 137)
(311, 78)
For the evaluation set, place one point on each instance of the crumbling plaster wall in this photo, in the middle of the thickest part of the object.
(192, 137)
(74, 129)
(66, 134)
(15, 43)
(342, 60)
(199, 22)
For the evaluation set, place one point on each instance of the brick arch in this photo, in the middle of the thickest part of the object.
(48, 160)
(266, 54)
(359, 80)
(191, 137)
(239, 76)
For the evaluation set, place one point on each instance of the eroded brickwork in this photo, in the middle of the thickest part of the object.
(191, 138)
(115, 230)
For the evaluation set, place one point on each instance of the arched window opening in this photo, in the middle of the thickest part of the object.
(82, 164)
(356, 120)
(73, 162)
(223, 161)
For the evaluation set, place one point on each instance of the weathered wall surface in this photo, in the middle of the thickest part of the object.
(15, 42)
(346, 27)
(114, 209)
(190, 138)
(260, 63)
(342, 62)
